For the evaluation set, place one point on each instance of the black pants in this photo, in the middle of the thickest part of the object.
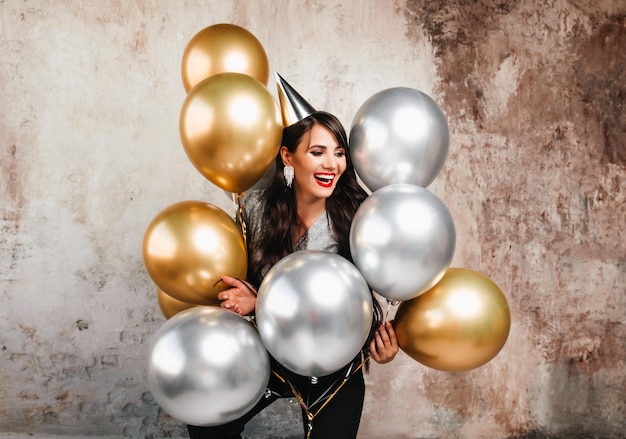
(339, 419)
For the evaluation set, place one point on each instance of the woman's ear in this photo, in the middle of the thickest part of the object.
(285, 155)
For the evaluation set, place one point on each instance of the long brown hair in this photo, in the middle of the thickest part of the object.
(281, 219)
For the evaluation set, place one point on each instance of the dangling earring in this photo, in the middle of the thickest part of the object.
(288, 172)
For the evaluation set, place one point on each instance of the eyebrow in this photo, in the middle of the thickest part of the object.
(325, 147)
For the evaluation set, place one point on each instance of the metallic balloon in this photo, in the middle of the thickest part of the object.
(223, 48)
(399, 135)
(187, 248)
(231, 129)
(170, 306)
(207, 366)
(460, 324)
(402, 239)
(314, 312)
(263, 183)
(266, 179)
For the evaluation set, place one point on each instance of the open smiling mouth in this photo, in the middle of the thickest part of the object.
(325, 180)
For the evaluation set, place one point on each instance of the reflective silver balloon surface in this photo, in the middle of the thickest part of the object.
(314, 312)
(402, 239)
(208, 366)
(399, 135)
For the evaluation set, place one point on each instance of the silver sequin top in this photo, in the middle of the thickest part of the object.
(318, 237)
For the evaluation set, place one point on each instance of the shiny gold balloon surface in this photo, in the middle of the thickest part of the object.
(188, 246)
(459, 324)
(223, 48)
(170, 306)
(231, 128)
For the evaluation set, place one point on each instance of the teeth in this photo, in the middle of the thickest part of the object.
(325, 178)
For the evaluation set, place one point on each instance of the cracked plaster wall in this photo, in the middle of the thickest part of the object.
(535, 180)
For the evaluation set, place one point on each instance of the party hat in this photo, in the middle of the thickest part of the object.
(292, 106)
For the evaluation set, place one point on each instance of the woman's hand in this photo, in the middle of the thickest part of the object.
(240, 298)
(384, 345)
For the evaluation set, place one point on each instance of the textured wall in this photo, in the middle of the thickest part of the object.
(536, 182)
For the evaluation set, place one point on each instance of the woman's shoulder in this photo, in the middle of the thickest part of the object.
(254, 199)
(253, 205)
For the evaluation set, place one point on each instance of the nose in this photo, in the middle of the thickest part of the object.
(330, 162)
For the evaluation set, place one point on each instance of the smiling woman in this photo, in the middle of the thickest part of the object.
(309, 205)
(318, 162)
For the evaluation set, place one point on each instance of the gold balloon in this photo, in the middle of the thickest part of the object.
(170, 306)
(231, 129)
(223, 48)
(459, 324)
(187, 248)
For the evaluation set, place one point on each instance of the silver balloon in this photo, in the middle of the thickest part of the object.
(314, 312)
(402, 239)
(208, 366)
(399, 135)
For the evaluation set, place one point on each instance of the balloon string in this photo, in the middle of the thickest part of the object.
(390, 303)
(309, 428)
(239, 214)
(295, 392)
(311, 415)
(299, 397)
(345, 380)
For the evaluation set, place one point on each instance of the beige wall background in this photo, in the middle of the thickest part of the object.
(535, 181)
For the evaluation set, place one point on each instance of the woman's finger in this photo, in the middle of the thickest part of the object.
(384, 336)
(233, 281)
(249, 285)
(373, 351)
(240, 284)
(378, 343)
(392, 334)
